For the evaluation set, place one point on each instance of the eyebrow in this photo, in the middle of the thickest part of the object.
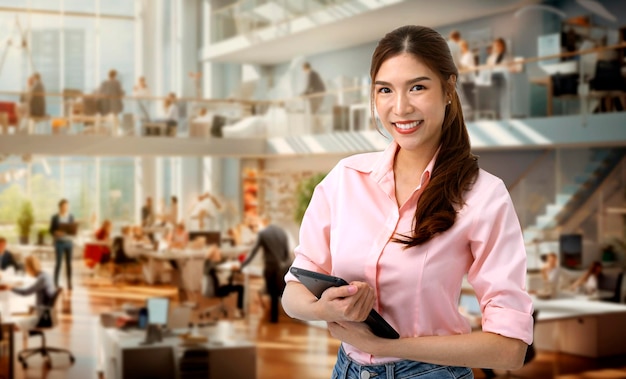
(408, 82)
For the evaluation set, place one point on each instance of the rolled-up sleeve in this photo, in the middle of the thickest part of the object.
(498, 272)
(313, 252)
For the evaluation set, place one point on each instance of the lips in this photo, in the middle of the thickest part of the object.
(406, 127)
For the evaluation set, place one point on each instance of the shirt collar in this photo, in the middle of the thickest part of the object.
(384, 164)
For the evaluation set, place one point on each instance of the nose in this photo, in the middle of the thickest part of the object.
(403, 105)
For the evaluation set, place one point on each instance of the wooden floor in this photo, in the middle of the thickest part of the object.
(289, 349)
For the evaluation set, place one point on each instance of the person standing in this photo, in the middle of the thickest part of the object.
(497, 60)
(314, 89)
(405, 226)
(454, 44)
(147, 213)
(467, 78)
(37, 98)
(63, 244)
(111, 92)
(276, 258)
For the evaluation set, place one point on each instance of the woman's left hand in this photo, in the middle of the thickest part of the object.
(356, 334)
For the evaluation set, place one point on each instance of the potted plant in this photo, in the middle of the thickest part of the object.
(25, 221)
(304, 193)
(41, 236)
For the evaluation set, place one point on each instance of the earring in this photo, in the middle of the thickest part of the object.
(449, 101)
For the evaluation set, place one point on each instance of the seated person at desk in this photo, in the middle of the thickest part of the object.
(219, 277)
(178, 238)
(139, 237)
(43, 287)
(588, 283)
(103, 234)
(6, 258)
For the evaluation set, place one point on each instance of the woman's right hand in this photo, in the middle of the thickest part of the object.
(347, 303)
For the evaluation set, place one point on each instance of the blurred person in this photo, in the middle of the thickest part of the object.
(63, 244)
(314, 91)
(467, 64)
(314, 85)
(497, 59)
(37, 98)
(172, 113)
(112, 93)
(104, 232)
(220, 281)
(550, 272)
(276, 259)
(147, 213)
(6, 258)
(43, 288)
(588, 282)
(142, 93)
(178, 238)
(454, 44)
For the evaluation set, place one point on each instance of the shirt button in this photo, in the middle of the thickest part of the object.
(365, 375)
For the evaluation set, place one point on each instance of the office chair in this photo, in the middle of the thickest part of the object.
(608, 83)
(215, 290)
(47, 320)
(611, 283)
(121, 262)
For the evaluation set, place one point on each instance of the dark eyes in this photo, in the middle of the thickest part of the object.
(417, 87)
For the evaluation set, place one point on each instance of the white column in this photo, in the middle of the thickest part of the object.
(140, 21)
(139, 190)
(159, 32)
(96, 194)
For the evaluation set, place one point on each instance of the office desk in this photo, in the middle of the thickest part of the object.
(577, 325)
(228, 358)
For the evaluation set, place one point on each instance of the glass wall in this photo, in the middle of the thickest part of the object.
(72, 43)
(96, 188)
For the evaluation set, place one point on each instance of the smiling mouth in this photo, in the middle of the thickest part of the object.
(405, 126)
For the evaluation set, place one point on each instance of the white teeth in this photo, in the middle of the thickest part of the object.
(407, 126)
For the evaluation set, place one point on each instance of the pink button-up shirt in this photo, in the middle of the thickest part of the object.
(346, 232)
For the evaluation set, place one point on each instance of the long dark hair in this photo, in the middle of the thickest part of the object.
(456, 168)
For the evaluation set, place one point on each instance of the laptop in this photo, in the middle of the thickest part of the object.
(70, 228)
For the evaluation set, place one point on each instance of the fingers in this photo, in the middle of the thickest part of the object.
(352, 302)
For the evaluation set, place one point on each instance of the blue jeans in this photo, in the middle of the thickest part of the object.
(63, 248)
(346, 368)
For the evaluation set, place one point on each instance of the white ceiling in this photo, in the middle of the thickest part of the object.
(368, 26)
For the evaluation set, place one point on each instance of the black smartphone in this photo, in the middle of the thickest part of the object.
(318, 283)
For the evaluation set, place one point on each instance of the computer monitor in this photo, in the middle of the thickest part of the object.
(158, 310)
(571, 250)
(210, 237)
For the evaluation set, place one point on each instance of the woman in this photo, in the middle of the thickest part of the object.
(178, 238)
(63, 242)
(466, 79)
(588, 283)
(44, 290)
(103, 234)
(404, 227)
(497, 59)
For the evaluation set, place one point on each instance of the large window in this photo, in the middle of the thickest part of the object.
(72, 43)
(96, 188)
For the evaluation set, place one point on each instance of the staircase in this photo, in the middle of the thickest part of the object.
(574, 195)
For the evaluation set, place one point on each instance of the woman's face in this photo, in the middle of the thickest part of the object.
(410, 102)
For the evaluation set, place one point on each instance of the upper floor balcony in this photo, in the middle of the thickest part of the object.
(567, 108)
